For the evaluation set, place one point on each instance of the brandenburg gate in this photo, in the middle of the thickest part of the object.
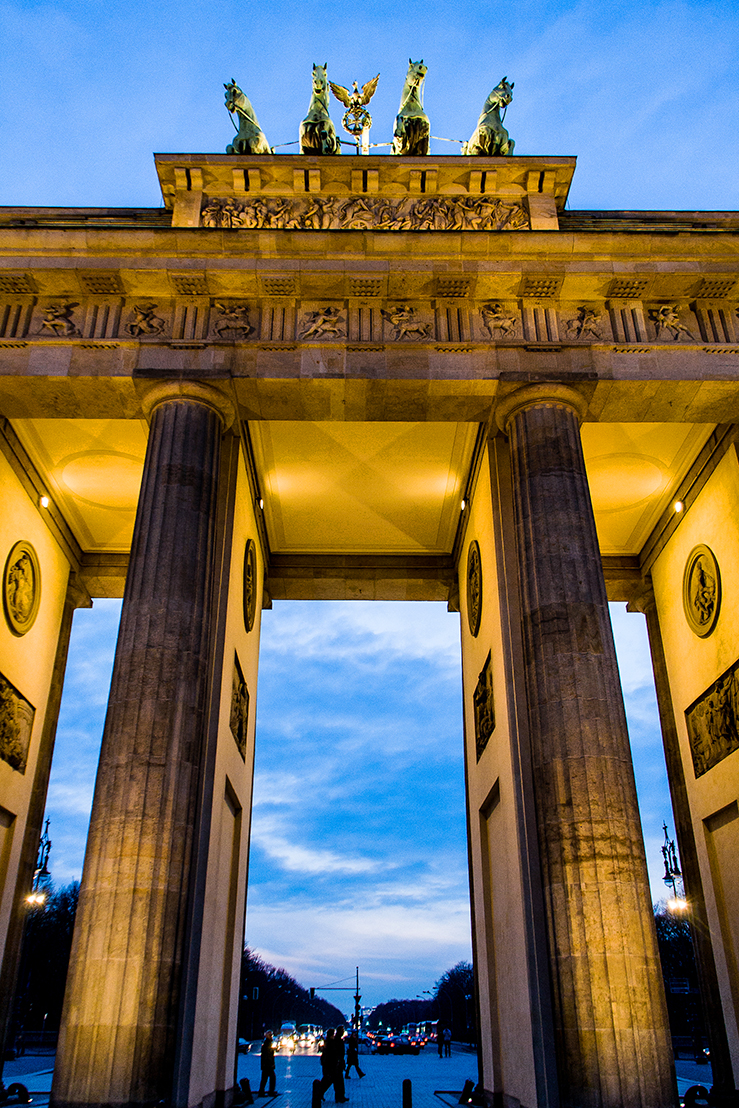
(409, 377)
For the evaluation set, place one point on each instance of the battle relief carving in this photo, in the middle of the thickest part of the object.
(233, 321)
(496, 318)
(144, 321)
(405, 322)
(58, 321)
(21, 588)
(484, 707)
(239, 719)
(331, 213)
(585, 326)
(325, 323)
(666, 320)
(16, 723)
(474, 588)
(701, 591)
(250, 584)
(713, 722)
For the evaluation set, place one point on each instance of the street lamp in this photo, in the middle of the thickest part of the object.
(673, 874)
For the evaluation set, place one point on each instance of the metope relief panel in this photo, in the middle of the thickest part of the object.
(587, 323)
(239, 718)
(231, 320)
(406, 323)
(484, 702)
(672, 323)
(500, 321)
(16, 723)
(59, 318)
(713, 722)
(322, 322)
(146, 319)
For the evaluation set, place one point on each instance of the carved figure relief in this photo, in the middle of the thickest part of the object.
(701, 590)
(496, 318)
(21, 588)
(713, 722)
(16, 723)
(250, 584)
(144, 321)
(233, 322)
(58, 320)
(239, 719)
(484, 707)
(405, 322)
(474, 588)
(667, 319)
(359, 213)
(328, 321)
(586, 324)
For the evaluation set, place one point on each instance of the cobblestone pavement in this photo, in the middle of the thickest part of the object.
(382, 1087)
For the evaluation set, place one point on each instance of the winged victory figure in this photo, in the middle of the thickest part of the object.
(356, 120)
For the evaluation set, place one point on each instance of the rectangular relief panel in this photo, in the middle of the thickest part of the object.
(713, 722)
(16, 723)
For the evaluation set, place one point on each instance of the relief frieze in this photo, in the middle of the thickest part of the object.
(713, 722)
(484, 707)
(331, 213)
(16, 722)
(239, 717)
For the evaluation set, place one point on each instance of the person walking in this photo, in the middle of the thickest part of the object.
(440, 1039)
(339, 1088)
(352, 1054)
(447, 1042)
(327, 1078)
(267, 1062)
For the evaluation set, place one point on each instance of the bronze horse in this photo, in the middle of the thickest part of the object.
(490, 136)
(317, 132)
(412, 127)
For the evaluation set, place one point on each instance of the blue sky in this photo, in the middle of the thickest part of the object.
(358, 840)
(361, 702)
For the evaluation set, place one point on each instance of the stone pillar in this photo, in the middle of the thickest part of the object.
(610, 1018)
(713, 1014)
(77, 597)
(120, 1021)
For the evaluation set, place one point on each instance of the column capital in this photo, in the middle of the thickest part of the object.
(643, 599)
(195, 391)
(549, 393)
(77, 593)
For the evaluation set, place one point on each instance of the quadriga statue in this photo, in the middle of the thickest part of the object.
(317, 132)
(412, 127)
(251, 138)
(490, 137)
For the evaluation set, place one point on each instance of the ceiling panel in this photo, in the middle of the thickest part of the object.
(351, 488)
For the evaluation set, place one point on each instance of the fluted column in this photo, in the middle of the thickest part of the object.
(119, 1026)
(613, 1046)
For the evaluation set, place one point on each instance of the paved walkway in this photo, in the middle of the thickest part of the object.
(382, 1087)
(434, 1080)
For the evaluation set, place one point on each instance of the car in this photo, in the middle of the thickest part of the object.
(242, 1046)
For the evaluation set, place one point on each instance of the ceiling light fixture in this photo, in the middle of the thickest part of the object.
(43, 502)
(261, 504)
(464, 505)
(678, 506)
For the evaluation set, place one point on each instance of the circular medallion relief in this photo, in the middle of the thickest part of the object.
(21, 587)
(250, 584)
(701, 590)
(474, 587)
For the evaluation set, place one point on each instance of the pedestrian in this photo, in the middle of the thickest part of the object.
(352, 1054)
(440, 1039)
(339, 1089)
(327, 1079)
(267, 1062)
(447, 1042)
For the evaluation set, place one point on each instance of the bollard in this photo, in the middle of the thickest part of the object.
(466, 1096)
(316, 1098)
(407, 1094)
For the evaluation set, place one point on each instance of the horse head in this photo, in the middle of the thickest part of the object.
(320, 78)
(503, 92)
(233, 92)
(416, 72)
